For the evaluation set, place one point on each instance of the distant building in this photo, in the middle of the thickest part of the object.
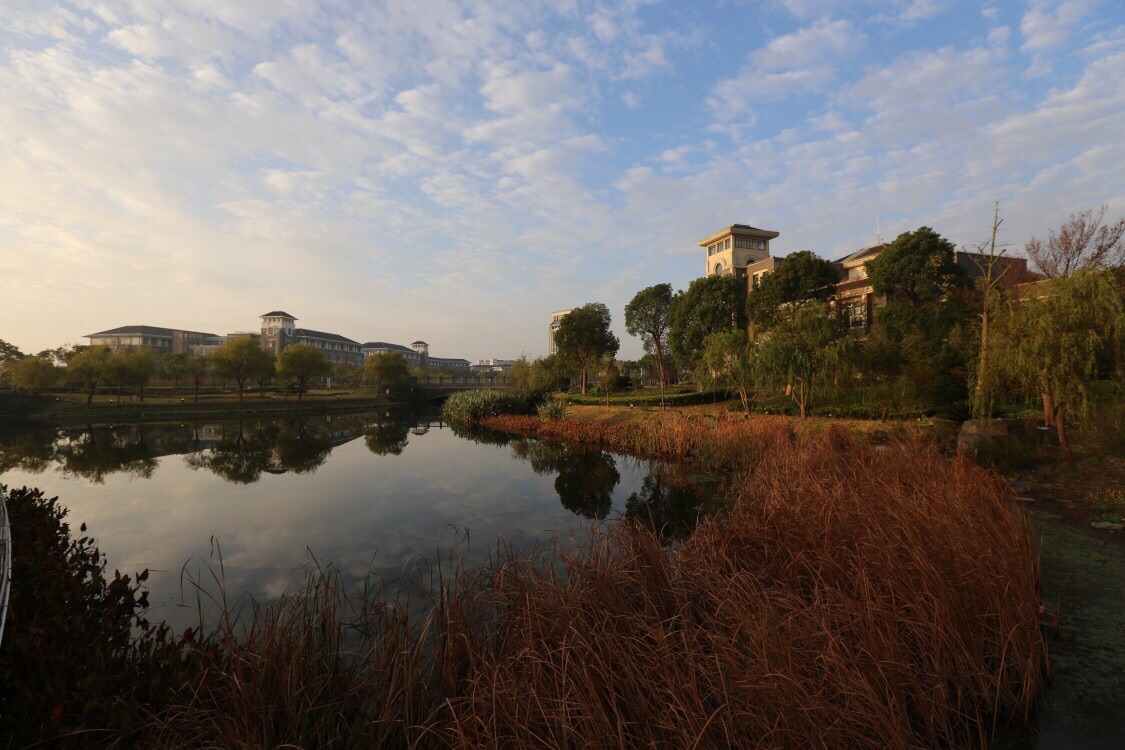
(742, 251)
(159, 340)
(552, 328)
(416, 355)
(279, 331)
(492, 365)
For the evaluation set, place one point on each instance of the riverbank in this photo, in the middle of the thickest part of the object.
(73, 409)
(786, 620)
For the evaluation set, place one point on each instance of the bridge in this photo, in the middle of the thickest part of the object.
(433, 387)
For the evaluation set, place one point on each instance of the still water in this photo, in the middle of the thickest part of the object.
(372, 493)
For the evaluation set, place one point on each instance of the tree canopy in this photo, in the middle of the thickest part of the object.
(88, 368)
(386, 369)
(240, 359)
(302, 362)
(9, 351)
(797, 277)
(646, 316)
(917, 268)
(802, 352)
(711, 304)
(1082, 241)
(584, 338)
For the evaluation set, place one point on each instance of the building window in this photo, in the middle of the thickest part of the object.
(718, 269)
(854, 312)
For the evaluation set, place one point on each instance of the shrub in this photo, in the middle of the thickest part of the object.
(470, 407)
(691, 398)
(552, 410)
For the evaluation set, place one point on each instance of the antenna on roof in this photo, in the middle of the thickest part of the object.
(878, 230)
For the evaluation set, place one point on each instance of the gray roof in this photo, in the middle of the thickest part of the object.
(276, 314)
(309, 333)
(448, 359)
(876, 248)
(390, 347)
(420, 342)
(143, 331)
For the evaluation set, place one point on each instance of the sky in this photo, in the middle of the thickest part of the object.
(455, 171)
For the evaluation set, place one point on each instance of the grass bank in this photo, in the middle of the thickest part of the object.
(854, 596)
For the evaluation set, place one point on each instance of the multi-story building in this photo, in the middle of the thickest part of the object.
(552, 327)
(417, 355)
(743, 251)
(279, 330)
(160, 340)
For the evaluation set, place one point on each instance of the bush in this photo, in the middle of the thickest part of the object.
(552, 410)
(470, 407)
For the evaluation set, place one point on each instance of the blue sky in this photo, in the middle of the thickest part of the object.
(454, 171)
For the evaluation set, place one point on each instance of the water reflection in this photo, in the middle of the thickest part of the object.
(374, 493)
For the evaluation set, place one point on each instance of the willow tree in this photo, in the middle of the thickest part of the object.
(1049, 342)
(728, 359)
(584, 338)
(804, 353)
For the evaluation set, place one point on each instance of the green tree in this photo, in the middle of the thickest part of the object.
(137, 366)
(88, 368)
(239, 359)
(520, 375)
(173, 366)
(32, 374)
(917, 268)
(9, 351)
(1049, 343)
(584, 338)
(196, 369)
(646, 316)
(798, 277)
(607, 373)
(800, 353)
(728, 358)
(386, 369)
(302, 362)
(710, 305)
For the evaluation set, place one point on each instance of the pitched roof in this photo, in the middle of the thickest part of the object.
(385, 345)
(420, 342)
(276, 314)
(309, 333)
(448, 359)
(869, 250)
(143, 331)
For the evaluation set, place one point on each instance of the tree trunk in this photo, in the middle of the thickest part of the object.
(1048, 409)
(142, 398)
(90, 396)
(583, 382)
(1060, 428)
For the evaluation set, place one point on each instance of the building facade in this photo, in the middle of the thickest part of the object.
(739, 250)
(159, 340)
(552, 328)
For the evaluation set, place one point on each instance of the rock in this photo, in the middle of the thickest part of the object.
(1026, 499)
(1021, 487)
(1108, 526)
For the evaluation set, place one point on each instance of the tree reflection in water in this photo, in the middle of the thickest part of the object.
(238, 457)
(586, 477)
(92, 454)
(387, 437)
(300, 447)
(668, 504)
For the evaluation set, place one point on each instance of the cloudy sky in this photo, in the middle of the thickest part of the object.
(454, 171)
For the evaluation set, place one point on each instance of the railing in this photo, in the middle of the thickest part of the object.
(5, 562)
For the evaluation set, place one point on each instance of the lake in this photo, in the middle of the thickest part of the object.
(378, 493)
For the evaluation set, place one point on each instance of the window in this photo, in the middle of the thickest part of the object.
(761, 244)
(719, 268)
(726, 245)
(854, 313)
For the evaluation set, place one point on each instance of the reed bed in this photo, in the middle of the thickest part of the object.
(720, 442)
(854, 596)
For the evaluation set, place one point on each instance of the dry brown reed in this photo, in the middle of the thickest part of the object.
(854, 596)
(724, 441)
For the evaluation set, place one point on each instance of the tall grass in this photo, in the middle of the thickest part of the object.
(467, 408)
(854, 596)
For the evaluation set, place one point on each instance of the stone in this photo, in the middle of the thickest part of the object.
(1108, 526)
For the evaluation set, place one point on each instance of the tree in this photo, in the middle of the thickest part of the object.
(32, 374)
(584, 338)
(607, 373)
(798, 277)
(728, 357)
(196, 369)
(9, 351)
(88, 368)
(137, 366)
(520, 375)
(800, 353)
(1081, 242)
(302, 362)
(646, 316)
(989, 260)
(1050, 341)
(266, 373)
(386, 369)
(710, 304)
(917, 268)
(174, 366)
(239, 359)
